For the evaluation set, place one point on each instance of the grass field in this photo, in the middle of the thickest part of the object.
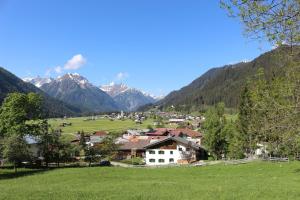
(249, 181)
(79, 124)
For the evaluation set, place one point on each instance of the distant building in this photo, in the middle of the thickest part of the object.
(33, 143)
(97, 137)
(176, 121)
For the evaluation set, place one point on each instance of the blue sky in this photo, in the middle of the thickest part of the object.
(154, 45)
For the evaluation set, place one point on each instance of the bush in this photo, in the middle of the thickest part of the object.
(134, 161)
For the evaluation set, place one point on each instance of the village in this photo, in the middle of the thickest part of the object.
(175, 140)
(150, 100)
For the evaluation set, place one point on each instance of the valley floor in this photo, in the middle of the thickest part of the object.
(79, 124)
(257, 180)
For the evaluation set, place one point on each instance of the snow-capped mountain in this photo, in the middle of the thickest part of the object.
(129, 99)
(38, 81)
(132, 99)
(78, 91)
(114, 89)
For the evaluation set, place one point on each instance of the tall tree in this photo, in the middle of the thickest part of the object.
(276, 20)
(245, 116)
(15, 112)
(215, 140)
(16, 150)
(19, 116)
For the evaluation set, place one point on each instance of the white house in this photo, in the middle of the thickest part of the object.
(176, 121)
(173, 150)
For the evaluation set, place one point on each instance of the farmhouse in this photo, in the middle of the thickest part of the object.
(181, 146)
(97, 138)
(173, 150)
(133, 148)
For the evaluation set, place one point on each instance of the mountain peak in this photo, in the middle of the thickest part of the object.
(78, 79)
(113, 89)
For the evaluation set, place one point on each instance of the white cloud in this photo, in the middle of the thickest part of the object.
(122, 76)
(75, 62)
(58, 69)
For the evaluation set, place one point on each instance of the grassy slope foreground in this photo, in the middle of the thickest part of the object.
(248, 181)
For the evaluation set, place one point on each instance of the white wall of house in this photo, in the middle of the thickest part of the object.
(164, 156)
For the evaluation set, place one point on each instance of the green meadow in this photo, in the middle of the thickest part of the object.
(79, 124)
(257, 180)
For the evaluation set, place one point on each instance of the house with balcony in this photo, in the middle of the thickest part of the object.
(173, 150)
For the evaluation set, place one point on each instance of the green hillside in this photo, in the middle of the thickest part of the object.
(225, 83)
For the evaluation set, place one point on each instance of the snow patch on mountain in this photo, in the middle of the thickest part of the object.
(38, 81)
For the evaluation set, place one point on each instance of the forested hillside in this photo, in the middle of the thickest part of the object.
(225, 83)
(52, 107)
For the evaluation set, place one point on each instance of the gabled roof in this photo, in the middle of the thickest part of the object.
(176, 139)
(138, 145)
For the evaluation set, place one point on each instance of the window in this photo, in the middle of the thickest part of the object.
(180, 149)
(171, 160)
(161, 160)
(152, 160)
(161, 152)
(171, 152)
(187, 149)
(151, 152)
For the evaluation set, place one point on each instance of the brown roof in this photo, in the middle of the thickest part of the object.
(176, 139)
(175, 132)
(139, 145)
(159, 132)
(100, 133)
(186, 131)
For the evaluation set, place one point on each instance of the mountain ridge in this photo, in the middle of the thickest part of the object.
(225, 83)
(78, 91)
(52, 108)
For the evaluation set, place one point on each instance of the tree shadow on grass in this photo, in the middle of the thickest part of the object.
(9, 173)
(297, 170)
(12, 174)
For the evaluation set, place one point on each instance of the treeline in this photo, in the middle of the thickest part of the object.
(22, 125)
(268, 118)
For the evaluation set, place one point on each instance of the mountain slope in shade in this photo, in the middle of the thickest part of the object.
(225, 83)
(52, 108)
(132, 99)
(76, 90)
(38, 81)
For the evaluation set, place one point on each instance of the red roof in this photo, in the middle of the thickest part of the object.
(100, 133)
